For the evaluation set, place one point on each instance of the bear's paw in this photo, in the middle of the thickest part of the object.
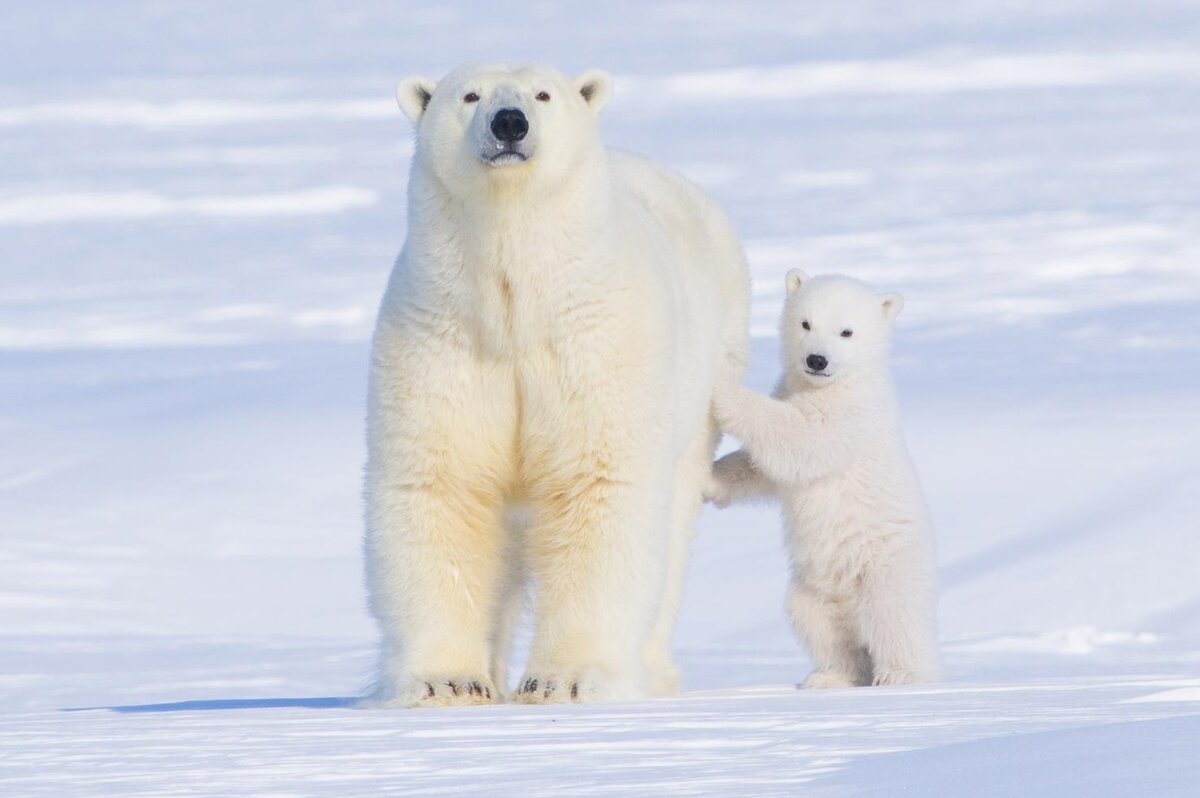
(898, 676)
(828, 680)
(585, 685)
(437, 691)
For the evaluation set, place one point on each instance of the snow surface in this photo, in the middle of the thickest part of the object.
(199, 205)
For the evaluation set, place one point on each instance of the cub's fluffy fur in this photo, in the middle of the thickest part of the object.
(828, 445)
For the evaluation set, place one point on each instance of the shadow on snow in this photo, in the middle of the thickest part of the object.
(228, 703)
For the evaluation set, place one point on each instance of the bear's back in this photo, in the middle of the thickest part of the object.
(696, 225)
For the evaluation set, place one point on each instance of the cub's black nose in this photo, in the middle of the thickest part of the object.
(509, 124)
(816, 362)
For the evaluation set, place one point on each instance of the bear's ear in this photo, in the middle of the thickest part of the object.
(413, 94)
(595, 86)
(892, 305)
(795, 278)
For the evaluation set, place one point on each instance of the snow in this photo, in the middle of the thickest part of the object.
(199, 206)
(50, 208)
(190, 113)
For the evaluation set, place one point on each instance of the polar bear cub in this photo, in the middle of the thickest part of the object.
(828, 445)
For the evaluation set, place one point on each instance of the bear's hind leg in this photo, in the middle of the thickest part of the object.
(511, 603)
(691, 476)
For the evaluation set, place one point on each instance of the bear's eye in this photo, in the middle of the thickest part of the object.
(470, 97)
(805, 325)
(543, 96)
(847, 333)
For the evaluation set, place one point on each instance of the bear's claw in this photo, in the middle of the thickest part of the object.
(578, 685)
(544, 690)
(444, 691)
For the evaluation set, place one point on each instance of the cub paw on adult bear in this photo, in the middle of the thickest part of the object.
(547, 344)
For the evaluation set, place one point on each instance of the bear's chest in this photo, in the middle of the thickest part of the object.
(517, 308)
(508, 314)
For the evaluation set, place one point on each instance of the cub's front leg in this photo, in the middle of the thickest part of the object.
(783, 444)
(439, 441)
(735, 479)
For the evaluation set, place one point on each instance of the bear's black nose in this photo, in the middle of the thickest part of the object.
(816, 362)
(509, 124)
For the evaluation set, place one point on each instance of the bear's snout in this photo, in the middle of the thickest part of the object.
(816, 362)
(509, 124)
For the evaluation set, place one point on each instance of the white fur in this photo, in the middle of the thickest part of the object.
(547, 349)
(828, 445)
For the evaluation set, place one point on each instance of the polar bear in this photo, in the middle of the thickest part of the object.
(540, 396)
(828, 445)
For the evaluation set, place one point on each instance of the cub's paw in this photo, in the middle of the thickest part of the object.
(716, 493)
(586, 685)
(438, 691)
(828, 680)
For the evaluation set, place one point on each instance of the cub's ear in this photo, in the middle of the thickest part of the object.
(595, 86)
(413, 94)
(892, 305)
(795, 278)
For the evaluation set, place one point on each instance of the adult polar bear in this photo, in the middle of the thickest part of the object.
(548, 343)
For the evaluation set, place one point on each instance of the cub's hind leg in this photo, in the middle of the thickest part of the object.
(823, 623)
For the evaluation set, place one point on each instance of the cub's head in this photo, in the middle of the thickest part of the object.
(495, 125)
(835, 327)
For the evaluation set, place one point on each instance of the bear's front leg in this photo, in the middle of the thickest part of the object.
(600, 487)
(438, 469)
(434, 578)
(598, 575)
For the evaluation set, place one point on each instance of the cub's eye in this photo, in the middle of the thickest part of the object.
(543, 96)
(805, 325)
(470, 97)
(847, 333)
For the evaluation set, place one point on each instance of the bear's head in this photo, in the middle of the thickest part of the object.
(484, 126)
(835, 327)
